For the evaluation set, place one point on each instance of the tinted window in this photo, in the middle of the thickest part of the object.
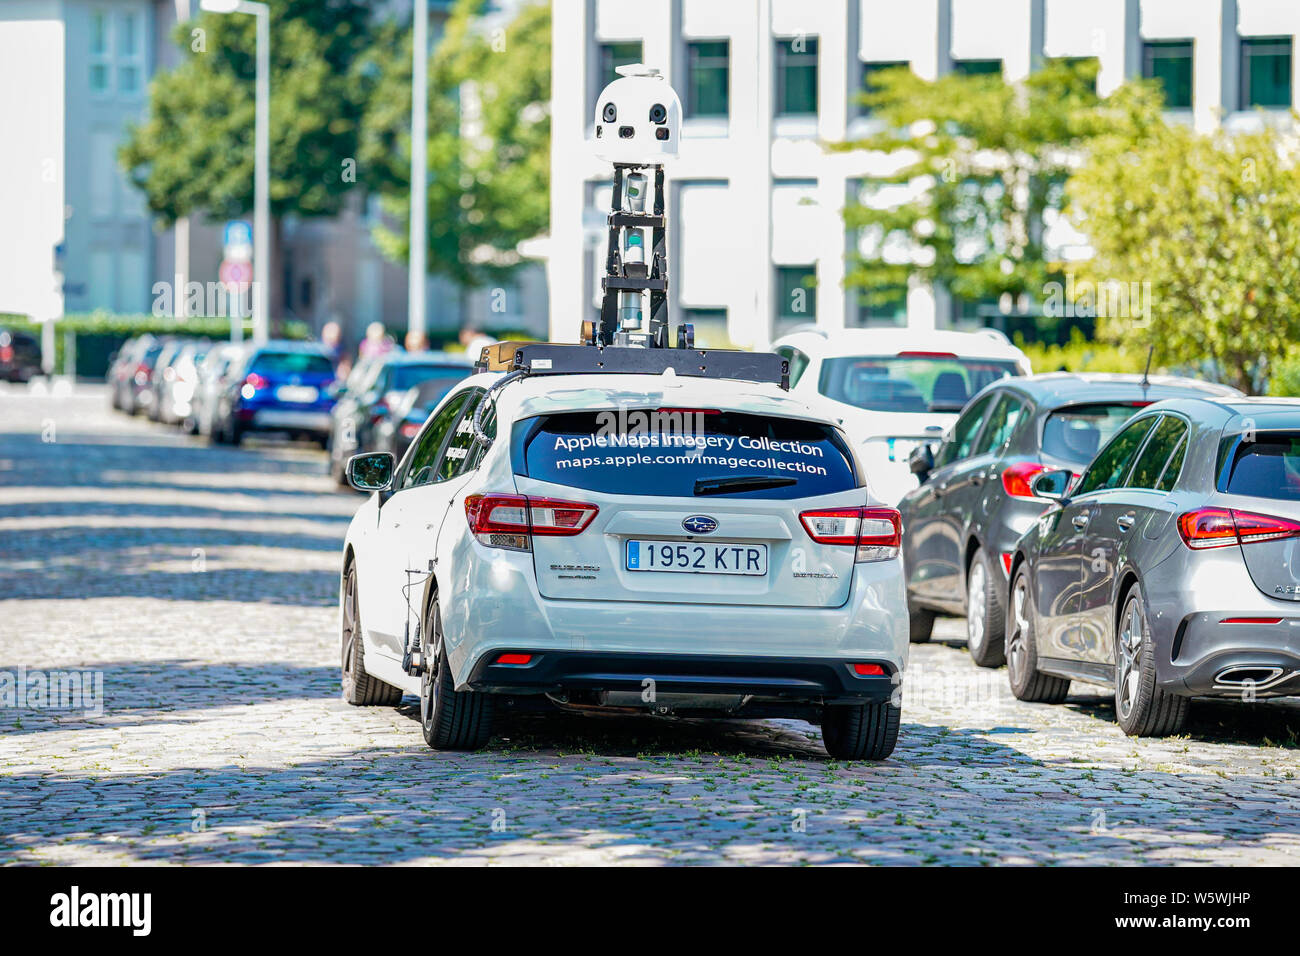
(461, 439)
(1076, 432)
(965, 430)
(719, 454)
(1113, 463)
(489, 426)
(291, 363)
(423, 464)
(1267, 468)
(1174, 468)
(909, 382)
(1002, 424)
(1151, 463)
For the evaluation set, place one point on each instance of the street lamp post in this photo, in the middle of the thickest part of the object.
(419, 173)
(261, 158)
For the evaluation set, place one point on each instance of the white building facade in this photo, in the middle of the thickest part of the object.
(756, 201)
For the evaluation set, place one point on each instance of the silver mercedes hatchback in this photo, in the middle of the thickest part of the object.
(1170, 569)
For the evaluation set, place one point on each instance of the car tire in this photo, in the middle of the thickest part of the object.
(450, 719)
(920, 624)
(1142, 708)
(359, 688)
(860, 732)
(1027, 682)
(985, 618)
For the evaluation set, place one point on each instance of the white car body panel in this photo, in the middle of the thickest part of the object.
(883, 439)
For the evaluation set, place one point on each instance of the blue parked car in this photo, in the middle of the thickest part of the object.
(277, 387)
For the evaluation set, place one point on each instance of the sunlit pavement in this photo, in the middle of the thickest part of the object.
(202, 581)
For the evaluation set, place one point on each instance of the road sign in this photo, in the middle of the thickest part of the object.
(233, 272)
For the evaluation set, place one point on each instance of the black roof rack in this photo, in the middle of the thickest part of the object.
(551, 358)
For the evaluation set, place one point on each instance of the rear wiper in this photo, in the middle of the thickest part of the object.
(720, 486)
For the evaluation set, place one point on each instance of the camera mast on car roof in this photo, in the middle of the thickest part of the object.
(638, 124)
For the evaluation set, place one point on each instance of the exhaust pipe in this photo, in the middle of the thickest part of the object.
(1258, 676)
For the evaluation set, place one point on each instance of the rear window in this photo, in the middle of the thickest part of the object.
(684, 454)
(291, 363)
(1268, 467)
(408, 376)
(1075, 432)
(910, 381)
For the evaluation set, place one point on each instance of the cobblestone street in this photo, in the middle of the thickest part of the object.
(202, 582)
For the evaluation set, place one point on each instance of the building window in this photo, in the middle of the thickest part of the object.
(977, 67)
(796, 298)
(614, 55)
(1169, 62)
(888, 308)
(100, 54)
(710, 326)
(867, 84)
(1266, 72)
(708, 83)
(130, 52)
(796, 77)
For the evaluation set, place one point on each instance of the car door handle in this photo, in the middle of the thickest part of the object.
(1125, 522)
(1079, 521)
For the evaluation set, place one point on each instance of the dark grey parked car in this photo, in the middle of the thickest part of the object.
(974, 502)
(1170, 569)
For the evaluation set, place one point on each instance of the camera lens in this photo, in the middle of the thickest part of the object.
(610, 114)
(626, 132)
(658, 114)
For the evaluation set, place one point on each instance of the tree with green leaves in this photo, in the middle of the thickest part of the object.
(1212, 222)
(980, 163)
(193, 153)
(489, 141)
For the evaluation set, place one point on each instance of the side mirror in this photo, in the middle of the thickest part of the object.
(1052, 485)
(921, 460)
(372, 471)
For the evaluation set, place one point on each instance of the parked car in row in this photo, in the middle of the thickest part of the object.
(565, 576)
(374, 389)
(212, 378)
(893, 389)
(397, 429)
(975, 498)
(1169, 569)
(279, 386)
(130, 374)
(20, 356)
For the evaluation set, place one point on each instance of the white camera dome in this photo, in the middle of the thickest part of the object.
(638, 118)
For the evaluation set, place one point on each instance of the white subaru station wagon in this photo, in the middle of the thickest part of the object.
(648, 542)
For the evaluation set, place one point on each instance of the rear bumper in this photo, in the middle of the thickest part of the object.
(271, 419)
(781, 678)
(1189, 598)
(497, 608)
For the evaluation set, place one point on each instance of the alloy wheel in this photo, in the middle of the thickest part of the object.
(1128, 669)
(1016, 648)
(976, 609)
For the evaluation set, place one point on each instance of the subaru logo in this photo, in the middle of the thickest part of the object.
(700, 524)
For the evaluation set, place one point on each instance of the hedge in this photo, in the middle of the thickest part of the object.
(101, 333)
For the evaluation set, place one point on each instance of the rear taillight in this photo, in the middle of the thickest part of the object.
(1219, 527)
(377, 412)
(1018, 479)
(6, 353)
(875, 532)
(410, 429)
(253, 383)
(510, 521)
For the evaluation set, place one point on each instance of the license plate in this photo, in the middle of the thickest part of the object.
(299, 394)
(718, 557)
